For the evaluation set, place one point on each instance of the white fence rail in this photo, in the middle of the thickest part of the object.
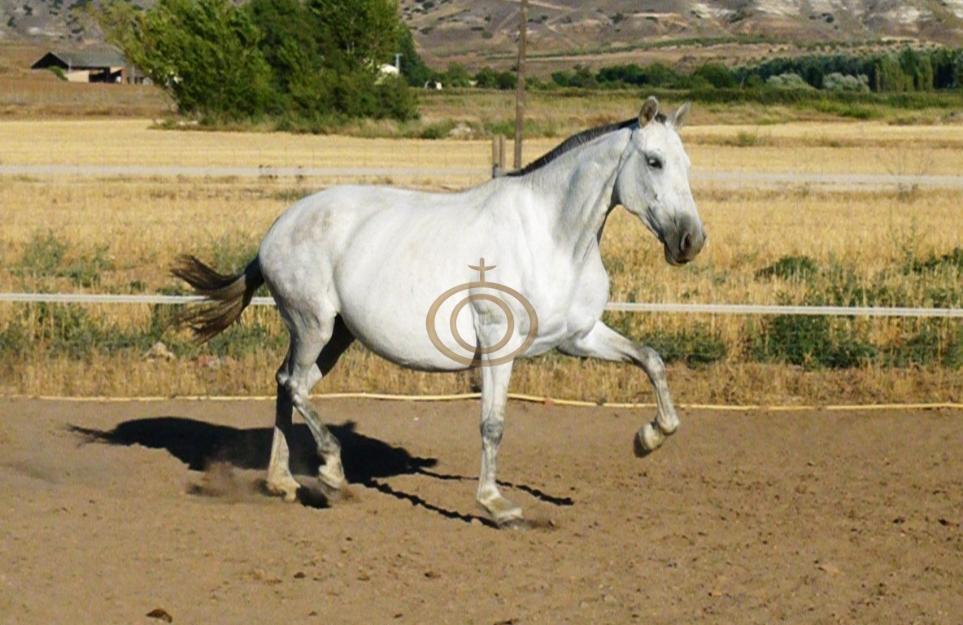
(636, 307)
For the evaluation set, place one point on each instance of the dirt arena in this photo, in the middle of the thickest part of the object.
(113, 511)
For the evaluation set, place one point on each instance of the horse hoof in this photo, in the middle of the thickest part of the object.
(333, 483)
(336, 494)
(286, 489)
(638, 447)
(648, 440)
(514, 523)
(503, 512)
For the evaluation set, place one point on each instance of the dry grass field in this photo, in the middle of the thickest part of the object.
(836, 147)
(875, 247)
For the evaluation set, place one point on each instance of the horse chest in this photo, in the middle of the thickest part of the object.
(570, 306)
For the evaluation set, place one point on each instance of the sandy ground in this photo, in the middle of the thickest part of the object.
(108, 514)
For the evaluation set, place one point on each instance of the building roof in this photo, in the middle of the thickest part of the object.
(82, 59)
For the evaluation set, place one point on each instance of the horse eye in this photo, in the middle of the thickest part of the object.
(654, 163)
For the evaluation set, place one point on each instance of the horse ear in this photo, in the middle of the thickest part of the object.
(649, 110)
(679, 117)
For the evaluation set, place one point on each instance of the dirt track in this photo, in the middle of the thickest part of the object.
(741, 518)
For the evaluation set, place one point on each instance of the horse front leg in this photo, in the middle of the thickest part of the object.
(605, 343)
(493, 401)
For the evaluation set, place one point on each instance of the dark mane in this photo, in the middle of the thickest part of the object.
(571, 143)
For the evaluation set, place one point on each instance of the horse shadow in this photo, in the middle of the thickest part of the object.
(367, 460)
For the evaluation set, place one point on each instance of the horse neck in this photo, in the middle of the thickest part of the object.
(577, 190)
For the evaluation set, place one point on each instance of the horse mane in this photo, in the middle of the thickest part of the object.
(574, 141)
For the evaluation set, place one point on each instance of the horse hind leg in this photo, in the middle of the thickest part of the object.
(279, 479)
(315, 348)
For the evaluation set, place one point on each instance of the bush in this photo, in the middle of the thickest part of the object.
(488, 78)
(582, 77)
(788, 80)
(845, 109)
(655, 75)
(952, 259)
(842, 82)
(44, 256)
(745, 139)
(810, 341)
(790, 268)
(717, 75)
(437, 130)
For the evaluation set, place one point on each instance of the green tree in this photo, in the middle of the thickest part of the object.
(923, 78)
(888, 75)
(456, 76)
(312, 61)
(487, 78)
(354, 38)
(413, 67)
(288, 46)
(717, 75)
(917, 69)
(356, 35)
(205, 52)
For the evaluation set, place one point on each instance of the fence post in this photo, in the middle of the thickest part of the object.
(498, 156)
(520, 84)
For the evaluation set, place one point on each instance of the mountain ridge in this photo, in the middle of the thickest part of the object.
(478, 32)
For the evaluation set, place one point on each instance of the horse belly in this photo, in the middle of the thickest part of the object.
(395, 328)
(387, 285)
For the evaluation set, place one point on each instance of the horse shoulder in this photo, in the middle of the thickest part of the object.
(590, 295)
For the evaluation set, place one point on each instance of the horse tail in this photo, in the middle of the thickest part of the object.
(227, 296)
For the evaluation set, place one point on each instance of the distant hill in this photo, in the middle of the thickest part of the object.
(480, 32)
(474, 31)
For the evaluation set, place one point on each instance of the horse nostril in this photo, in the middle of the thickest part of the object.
(685, 244)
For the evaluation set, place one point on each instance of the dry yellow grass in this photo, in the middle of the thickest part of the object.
(739, 384)
(145, 222)
(863, 148)
(141, 223)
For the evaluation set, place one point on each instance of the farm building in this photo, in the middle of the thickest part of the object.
(105, 65)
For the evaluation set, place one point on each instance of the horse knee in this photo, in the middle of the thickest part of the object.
(294, 387)
(492, 431)
(650, 360)
(283, 377)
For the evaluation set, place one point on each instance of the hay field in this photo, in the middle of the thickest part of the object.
(877, 247)
(864, 147)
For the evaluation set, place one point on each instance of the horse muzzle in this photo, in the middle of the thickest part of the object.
(685, 242)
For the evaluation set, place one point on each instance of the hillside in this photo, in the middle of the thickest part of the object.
(479, 32)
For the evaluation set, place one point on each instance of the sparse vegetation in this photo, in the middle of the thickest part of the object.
(790, 268)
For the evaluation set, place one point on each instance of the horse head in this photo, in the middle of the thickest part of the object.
(653, 183)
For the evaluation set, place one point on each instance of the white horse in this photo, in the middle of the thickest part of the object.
(370, 263)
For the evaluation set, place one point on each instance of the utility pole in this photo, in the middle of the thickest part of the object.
(520, 84)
